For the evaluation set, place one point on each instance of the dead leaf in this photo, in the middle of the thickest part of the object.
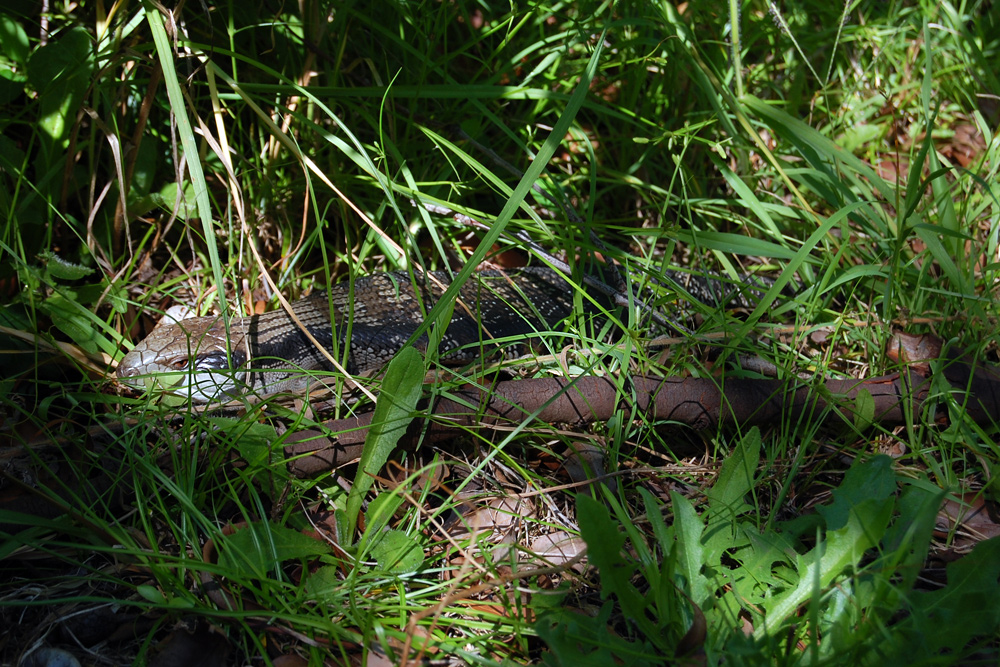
(970, 518)
(559, 548)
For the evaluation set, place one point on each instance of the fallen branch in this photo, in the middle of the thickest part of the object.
(697, 402)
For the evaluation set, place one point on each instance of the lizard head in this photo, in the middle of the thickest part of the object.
(193, 358)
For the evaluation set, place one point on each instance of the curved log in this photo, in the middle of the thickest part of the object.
(696, 402)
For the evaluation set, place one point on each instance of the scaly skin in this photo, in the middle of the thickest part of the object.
(378, 314)
(364, 323)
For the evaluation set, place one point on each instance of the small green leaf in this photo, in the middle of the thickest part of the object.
(60, 72)
(325, 583)
(13, 40)
(735, 481)
(118, 298)
(59, 269)
(167, 199)
(864, 410)
(89, 294)
(397, 552)
(868, 480)
(948, 618)
(380, 510)
(253, 440)
(67, 318)
(150, 593)
(180, 602)
(256, 548)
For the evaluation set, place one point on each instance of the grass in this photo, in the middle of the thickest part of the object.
(847, 151)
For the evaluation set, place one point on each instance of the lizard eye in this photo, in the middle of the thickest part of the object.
(212, 362)
(179, 364)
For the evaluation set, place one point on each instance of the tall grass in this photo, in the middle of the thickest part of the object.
(219, 158)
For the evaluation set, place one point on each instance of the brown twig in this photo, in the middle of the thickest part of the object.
(888, 400)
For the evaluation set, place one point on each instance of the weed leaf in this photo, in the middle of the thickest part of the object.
(258, 547)
(840, 549)
(397, 552)
(689, 528)
(948, 618)
(393, 412)
(727, 497)
(871, 480)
